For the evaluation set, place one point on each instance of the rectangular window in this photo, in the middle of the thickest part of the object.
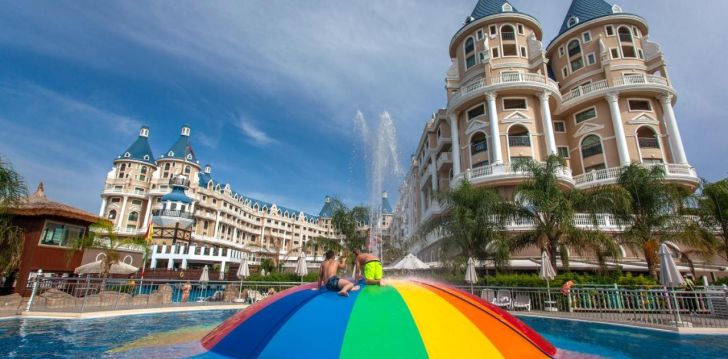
(591, 59)
(560, 126)
(480, 34)
(523, 51)
(561, 51)
(635, 31)
(628, 51)
(610, 30)
(475, 112)
(495, 53)
(563, 151)
(565, 71)
(639, 105)
(59, 234)
(520, 29)
(470, 61)
(514, 104)
(586, 115)
(493, 30)
(614, 52)
(586, 36)
(510, 50)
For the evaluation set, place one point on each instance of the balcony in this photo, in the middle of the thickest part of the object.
(504, 81)
(501, 172)
(648, 142)
(431, 211)
(673, 172)
(519, 141)
(602, 87)
(170, 213)
(445, 158)
(441, 142)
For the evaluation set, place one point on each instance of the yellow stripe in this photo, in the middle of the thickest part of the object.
(446, 332)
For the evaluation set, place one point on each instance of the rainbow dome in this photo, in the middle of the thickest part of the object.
(404, 319)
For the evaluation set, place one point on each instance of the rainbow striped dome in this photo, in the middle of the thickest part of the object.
(405, 319)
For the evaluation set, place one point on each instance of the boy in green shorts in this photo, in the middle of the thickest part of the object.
(369, 266)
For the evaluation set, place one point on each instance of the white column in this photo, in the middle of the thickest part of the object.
(184, 263)
(120, 217)
(494, 129)
(622, 149)
(548, 126)
(673, 133)
(433, 173)
(147, 213)
(170, 263)
(217, 224)
(103, 207)
(455, 135)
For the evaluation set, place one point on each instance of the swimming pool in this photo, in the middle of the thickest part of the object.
(51, 338)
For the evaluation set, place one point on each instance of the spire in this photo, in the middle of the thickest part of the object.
(40, 192)
(182, 149)
(490, 7)
(140, 149)
(582, 11)
(327, 211)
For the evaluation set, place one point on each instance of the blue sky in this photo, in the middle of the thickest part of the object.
(270, 88)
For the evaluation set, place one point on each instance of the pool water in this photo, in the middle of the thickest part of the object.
(131, 337)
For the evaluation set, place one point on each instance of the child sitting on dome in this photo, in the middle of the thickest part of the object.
(329, 269)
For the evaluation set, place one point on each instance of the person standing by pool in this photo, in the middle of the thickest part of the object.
(369, 266)
(328, 276)
(186, 291)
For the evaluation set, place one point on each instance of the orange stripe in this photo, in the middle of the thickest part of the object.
(510, 343)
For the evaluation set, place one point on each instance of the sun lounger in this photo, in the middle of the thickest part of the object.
(487, 295)
(503, 299)
(522, 301)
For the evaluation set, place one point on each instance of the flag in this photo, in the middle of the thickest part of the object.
(150, 230)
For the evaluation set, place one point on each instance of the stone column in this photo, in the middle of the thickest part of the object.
(613, 99)
(217, 224)
(494, 129)
(103, 207)
(673, 133)
(120, 216)
(548, 126)
(170, 263)
(147, 213)
(455, 134)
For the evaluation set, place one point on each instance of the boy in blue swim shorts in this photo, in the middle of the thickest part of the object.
(328, 276)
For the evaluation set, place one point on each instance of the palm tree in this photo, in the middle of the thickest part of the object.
(712, 208)
(542, 201)
(102, 236)
(348, 222)
(652, 213)
(473, 225)
(12, 238)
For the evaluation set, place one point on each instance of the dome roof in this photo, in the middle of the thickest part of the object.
(182, 149)
(327, 211)
(491, 7)
(140, 149)
(582, 11)
(177, 195)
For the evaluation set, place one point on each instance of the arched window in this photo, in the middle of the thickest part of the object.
(625, 40)
(469, 53)
(518, 136)
(508, 40)
(112, 214)
(572, 21)
(143, 173)
(134, 216)
(647, 138)
(122, 168)
(187, 170)
(575, 58)
(591, 146)
(166, 170)
(478, 147)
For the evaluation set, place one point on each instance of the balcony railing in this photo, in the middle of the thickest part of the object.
(519, 141)
(506, 78)
(171, 213)
(508, 36)
(610, 175)
(480, 173)
(591, 150)
(603, 85)
(648, 142)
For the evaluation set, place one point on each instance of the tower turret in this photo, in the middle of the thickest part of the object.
(182, 148)
(140, 149)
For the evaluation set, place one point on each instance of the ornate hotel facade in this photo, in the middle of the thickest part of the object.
(198, 220)
(599, 95)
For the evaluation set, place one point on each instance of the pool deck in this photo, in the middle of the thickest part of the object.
(625, 322)
(90, 313)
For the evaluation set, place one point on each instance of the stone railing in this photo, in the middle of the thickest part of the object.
(611, 175)
(602, 86)
(515, 78)
(499, 170)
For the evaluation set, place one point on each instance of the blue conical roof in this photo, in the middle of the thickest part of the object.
(386, 208)
(182, 149)
(490, 7)
(177, 195)
(140, 149)
(327, 211)
(585, 10)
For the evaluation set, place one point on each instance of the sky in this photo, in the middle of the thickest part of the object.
(271, 88)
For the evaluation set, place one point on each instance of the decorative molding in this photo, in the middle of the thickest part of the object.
(643, 119)
(587, 128)
(517, 117)
(477, 124)
(612, 97)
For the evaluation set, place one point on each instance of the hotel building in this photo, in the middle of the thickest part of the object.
(197, 219)
(599, 95)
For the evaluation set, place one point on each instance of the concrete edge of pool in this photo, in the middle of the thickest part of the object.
(120, 313)
(681, 330)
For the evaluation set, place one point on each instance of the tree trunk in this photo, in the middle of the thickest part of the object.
(650, 252)
(552, 249)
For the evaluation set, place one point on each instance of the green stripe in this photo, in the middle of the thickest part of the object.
(381, 326)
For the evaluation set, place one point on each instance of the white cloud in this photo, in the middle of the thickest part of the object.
(253, 134)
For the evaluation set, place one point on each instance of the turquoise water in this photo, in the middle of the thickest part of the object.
(51, 338)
